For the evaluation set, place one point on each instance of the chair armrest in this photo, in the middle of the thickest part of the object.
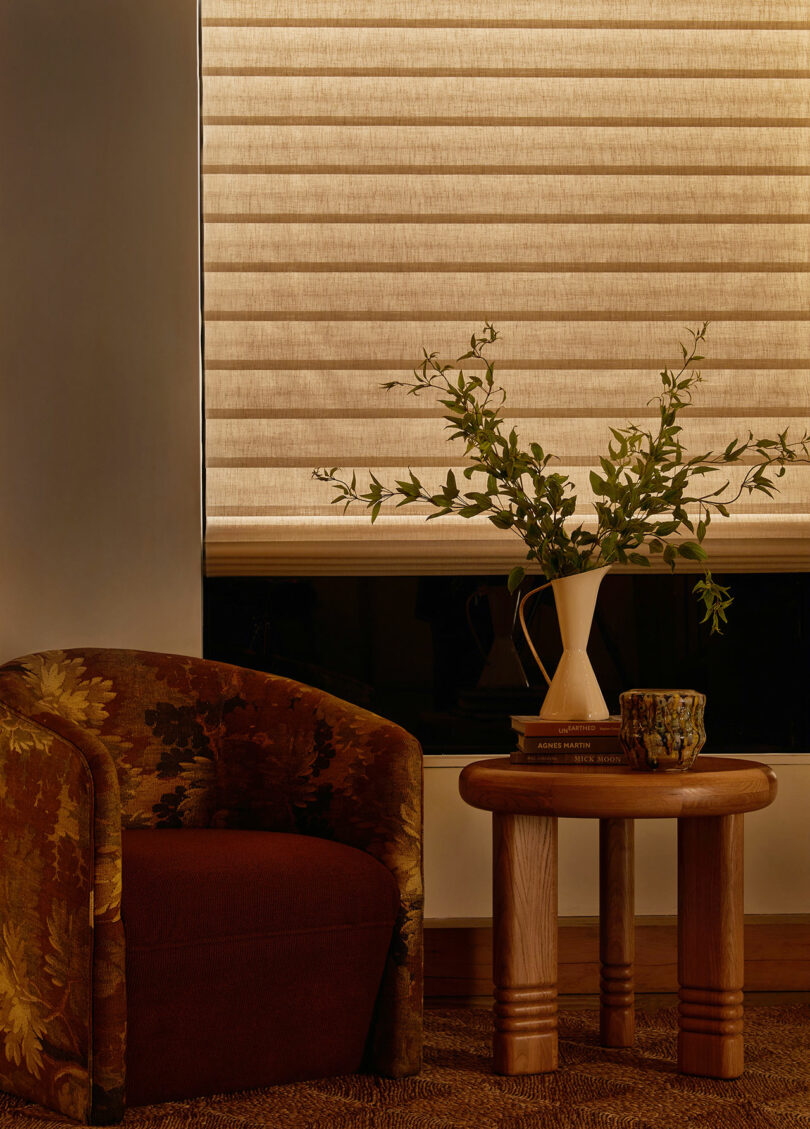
(62, 993)
(293, 758)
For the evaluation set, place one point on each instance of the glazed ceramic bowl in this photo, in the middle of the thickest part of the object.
(662, 730)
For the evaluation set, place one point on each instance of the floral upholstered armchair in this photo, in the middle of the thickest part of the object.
(98, 745)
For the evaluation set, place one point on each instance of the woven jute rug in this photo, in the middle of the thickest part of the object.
(594, 1088)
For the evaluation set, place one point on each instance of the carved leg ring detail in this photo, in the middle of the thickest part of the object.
(711, 1013)
(616, 985)
(525, 1030)
(526, 1010)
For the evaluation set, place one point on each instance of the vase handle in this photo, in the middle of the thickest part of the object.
(526, 635)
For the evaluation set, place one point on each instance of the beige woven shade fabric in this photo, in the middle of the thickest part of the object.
(592, 177)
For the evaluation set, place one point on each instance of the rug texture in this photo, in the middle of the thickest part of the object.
(594, 1088)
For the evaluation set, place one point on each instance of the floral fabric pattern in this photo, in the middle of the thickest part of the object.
(95, 740)
(45, 941)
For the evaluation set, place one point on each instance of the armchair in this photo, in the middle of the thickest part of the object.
(101, 749)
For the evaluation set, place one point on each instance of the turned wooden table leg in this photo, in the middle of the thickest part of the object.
(617, 1019)
(525, 943)
(710, 945)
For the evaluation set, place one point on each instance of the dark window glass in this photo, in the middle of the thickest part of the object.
(415, 649)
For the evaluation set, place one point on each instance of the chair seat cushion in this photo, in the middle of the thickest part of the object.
(253, 957)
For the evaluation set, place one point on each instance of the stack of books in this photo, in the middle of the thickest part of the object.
(567, 742)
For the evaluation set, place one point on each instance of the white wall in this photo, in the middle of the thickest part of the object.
(100, 526)
(458, 851)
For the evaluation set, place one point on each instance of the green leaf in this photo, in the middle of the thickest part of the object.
(598, 485)
(691, 551)
(515, 578)
(666, 528)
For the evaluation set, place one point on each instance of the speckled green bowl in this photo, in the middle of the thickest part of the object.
(662, 730)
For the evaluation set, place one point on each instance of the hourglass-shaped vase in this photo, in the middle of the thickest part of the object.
(574, 693)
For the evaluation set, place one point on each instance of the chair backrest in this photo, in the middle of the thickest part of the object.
(160, 717)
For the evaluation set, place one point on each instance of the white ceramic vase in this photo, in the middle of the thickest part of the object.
(574, 693)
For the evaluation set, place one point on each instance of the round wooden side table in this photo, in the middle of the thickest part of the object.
(709, 802)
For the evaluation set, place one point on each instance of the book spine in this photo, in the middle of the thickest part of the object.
(535, 727)
(551, 745)
(519, 757)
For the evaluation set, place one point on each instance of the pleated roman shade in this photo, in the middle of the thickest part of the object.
(592, 177)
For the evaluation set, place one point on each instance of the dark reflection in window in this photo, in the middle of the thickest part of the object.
(415, 649)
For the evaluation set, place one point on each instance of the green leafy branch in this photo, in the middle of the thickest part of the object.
(645, 502)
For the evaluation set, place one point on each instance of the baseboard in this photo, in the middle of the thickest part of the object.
(458, 955)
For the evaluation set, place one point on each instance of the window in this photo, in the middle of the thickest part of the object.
(379, 177)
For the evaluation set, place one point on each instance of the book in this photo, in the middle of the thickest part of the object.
(569, 744)
(531, 726)
(595, 759)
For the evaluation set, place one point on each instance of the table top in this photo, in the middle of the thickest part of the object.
(713, 786)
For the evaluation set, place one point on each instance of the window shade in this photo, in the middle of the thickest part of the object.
(378, 177)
